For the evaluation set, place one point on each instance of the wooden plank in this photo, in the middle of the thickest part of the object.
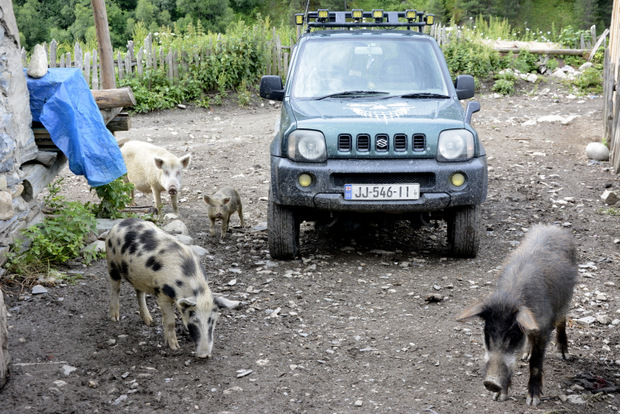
(52, 54)
(121, 122)
(571, 52)
(106, 56)
(77, 52)
(87, 68)
(121, 75)
(95, 72)
(109, 114)
(139, 58)
(113, 98)
(598, 44)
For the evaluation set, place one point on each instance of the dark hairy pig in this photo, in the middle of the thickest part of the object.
(532, 297)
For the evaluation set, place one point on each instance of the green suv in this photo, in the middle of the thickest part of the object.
(371, 122)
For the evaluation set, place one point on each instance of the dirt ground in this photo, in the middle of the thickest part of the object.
(348, 327)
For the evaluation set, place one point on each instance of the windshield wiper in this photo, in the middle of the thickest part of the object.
(421, 95)
(352, 93)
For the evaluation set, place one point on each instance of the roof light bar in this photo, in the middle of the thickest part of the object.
(356, 18)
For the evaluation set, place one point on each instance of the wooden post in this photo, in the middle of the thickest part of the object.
(106, 56)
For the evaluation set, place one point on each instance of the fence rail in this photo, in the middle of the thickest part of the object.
(148, 57)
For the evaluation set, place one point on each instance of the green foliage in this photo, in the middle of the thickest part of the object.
(610, 211)
(59, 238)
(525, 62)
(504, 86)
(472, 58)
(115, 197)
(571, 38)
(590, 81)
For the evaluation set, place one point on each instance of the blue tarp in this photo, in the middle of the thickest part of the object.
(63, 103)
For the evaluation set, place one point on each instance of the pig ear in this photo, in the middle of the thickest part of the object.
(225, 303)
(185, 160)
(471, 312)
(226, 200)
(159, 162)
(526, 320)
(207, 199)
(187, 302)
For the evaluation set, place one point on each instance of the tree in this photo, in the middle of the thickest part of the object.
(32, 28)
(214, 14)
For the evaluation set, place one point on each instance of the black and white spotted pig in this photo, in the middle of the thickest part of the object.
(154, 262)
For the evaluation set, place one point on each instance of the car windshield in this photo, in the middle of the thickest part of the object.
(349, 69)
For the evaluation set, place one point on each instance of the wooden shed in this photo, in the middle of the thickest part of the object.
(611, 95)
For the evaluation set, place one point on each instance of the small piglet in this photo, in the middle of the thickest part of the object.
(154, 262)
(152, 169)
(532, 297)
(221, 206)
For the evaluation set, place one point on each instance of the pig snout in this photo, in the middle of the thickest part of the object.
(492, 384)
(172, 190)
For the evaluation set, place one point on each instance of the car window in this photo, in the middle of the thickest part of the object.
(394, 66)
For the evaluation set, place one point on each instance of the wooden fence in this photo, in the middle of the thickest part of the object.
(149, 56)
(611, 112)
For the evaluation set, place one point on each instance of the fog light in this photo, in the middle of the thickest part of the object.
(304, 180)
(457, 179)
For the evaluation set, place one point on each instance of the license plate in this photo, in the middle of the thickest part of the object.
(381, 191)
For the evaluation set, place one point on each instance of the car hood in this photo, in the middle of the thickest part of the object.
(390, 110)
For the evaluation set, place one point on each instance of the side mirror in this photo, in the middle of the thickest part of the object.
(271, 87)
(464, 85)
(472, 106)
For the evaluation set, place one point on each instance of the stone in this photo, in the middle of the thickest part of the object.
(6, 205)
(38, 63)
(597, 151)
(609, 197)
(176, 227)
(38, 290)
(4, 344)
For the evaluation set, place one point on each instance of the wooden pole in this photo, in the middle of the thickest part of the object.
(106, 57)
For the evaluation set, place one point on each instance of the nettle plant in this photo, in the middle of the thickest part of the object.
(59, 238)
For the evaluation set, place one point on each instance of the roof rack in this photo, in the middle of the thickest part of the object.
(323, 18)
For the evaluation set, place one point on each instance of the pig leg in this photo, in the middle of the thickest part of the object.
(157, 197)
(561, 341)
(534, 386)
(168, 319)
(144, 311)
(240, 211)
(173, 201)
(114, 297)
(225, 220)
(212, 227)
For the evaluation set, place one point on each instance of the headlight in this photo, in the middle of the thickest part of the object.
(306, 145)
(455, 145)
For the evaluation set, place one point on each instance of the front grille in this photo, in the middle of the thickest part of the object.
(345, 142)
(382, 142)
(400, 142)
(419, 142)
(363, 142)
(426, 180)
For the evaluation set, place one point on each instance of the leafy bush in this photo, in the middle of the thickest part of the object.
(504, 86)
(472, 58)
(115, 197)
(590, 81)
(59, 238)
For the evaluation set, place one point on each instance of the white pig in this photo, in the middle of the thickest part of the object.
(221, 206)
(152, 169)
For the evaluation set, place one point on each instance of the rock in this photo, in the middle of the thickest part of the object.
(603, 319)
(38, 290)
(587, 320)
(531, 78)
(585, 66)
(559, 73)
(183, 239)
(38, 63)
(575, 399)
(597, 151)
(68, 369)
(97, 246)
(610, 197)
(4, 344)
(200, 251)
(176, 227)
(6, 205)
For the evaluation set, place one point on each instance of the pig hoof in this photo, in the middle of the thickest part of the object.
(533, 401)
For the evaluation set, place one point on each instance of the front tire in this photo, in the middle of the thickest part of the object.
(464, 228)
(283, 231)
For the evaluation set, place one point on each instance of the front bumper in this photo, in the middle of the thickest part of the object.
(327, 189)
